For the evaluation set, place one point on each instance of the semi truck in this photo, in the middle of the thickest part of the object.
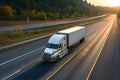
(63, 42)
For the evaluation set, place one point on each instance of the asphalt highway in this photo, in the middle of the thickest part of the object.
(25, 62)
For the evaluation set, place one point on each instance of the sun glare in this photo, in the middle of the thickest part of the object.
(114, 3)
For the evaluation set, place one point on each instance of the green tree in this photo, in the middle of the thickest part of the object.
(33, 13)
(41, 15)
(26, 13)
(53, 15)
(6, 11)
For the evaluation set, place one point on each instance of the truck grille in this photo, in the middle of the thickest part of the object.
(47, 55)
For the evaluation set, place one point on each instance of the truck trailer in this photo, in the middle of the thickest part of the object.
(63, 42)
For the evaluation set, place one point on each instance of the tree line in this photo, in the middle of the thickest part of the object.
(46, 9)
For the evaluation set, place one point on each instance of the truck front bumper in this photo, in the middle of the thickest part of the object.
(49, 59)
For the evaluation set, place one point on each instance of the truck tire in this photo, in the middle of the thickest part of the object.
(83, 39)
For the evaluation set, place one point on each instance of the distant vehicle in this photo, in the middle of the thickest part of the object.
(63, 42)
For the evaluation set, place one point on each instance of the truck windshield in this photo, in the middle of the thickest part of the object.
(54, 46)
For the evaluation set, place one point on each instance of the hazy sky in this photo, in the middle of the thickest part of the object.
(105, 2)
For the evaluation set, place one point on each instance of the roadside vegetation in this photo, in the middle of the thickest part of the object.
(20, 23)
(14, 37)
(47, 9)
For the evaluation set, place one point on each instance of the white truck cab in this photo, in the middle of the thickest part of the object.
(56, 48)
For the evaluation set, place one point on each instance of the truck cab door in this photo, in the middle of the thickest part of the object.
(64, 46)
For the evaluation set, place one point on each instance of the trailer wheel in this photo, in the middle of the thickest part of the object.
(82, 40)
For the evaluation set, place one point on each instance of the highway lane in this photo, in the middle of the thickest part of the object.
(19, 60)
(42, 68)
(108, 64)
(14, 52)
(44, 25)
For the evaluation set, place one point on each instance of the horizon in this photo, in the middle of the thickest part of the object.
(105, 3)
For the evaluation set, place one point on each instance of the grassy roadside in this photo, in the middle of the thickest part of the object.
(14, 23)
(14, 37)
